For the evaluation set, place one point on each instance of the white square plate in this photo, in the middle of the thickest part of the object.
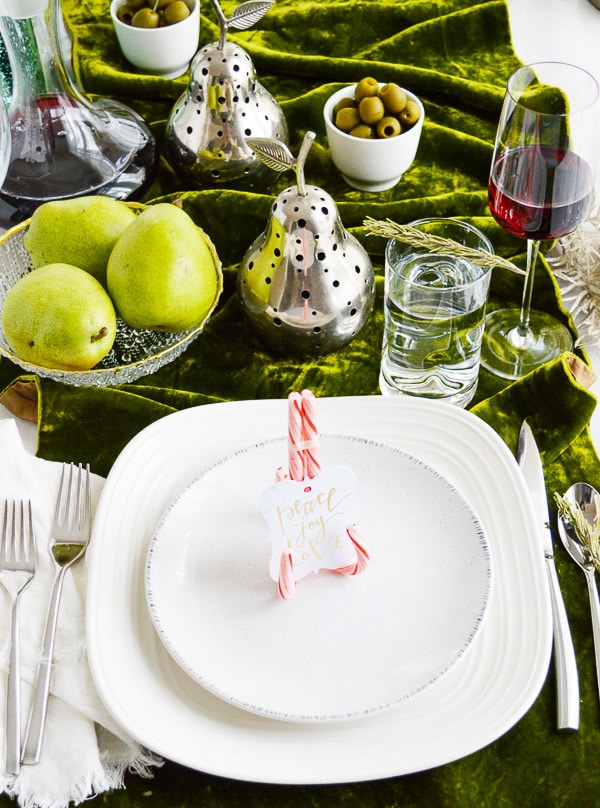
(154, 700)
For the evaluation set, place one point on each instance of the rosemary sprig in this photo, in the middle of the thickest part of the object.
(436, 244)
(588, 534)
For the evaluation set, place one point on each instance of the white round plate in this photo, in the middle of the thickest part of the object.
(344, 646)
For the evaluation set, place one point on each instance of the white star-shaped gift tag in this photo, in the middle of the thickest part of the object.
(309, 519)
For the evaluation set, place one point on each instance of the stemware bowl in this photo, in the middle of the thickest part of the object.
(541, 188)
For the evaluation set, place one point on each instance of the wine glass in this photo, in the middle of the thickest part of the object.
(541, 188)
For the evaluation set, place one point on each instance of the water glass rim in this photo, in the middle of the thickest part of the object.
(486, 245)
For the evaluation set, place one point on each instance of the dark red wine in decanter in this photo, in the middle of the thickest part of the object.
(72, 171)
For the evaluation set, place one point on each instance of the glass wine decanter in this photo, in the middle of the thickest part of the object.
(62, 144)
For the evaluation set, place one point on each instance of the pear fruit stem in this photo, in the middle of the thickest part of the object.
(222, 23)
(300, 161)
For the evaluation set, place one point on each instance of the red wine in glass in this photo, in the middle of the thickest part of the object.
(540, 192)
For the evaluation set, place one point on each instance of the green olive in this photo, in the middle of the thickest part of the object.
(125, 13)
(175, 12)
(158, 6)
(145, 18)
(347, 118)
(136, 3)
(394, 98)
(364, 131)
(371, 110)
(344, 103)
(410, 114)
(366, 88)
(388, 127)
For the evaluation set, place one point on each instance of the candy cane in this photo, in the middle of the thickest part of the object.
(295, 448)
(310, 434)
(286, 583)
(305, 461)
(296, 471)
(362, 556)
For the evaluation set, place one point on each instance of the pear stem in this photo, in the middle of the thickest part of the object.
(302, 155)
(222, 23)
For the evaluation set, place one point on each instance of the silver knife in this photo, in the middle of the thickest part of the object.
(567, 680)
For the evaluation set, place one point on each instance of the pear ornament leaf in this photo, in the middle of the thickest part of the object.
(273, 153)
(246, 14)
(277, 155)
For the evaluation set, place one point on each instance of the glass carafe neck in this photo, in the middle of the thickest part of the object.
(31, 56)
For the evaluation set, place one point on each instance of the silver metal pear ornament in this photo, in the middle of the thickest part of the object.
(306, 284)
(224, 105)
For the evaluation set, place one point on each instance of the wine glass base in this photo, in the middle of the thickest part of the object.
(507, 353)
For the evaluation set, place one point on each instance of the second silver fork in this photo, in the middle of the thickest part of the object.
(17, 568)
(69, 538)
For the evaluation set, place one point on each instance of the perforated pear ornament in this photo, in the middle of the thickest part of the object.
(223, 105)
(306, 283)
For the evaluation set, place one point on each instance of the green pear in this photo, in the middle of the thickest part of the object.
(59, 316)
(163, 273)
(80, 231)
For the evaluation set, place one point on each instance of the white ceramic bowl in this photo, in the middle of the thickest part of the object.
(165, 51)
(371, 164)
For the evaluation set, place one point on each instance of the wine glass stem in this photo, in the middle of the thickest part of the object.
(533, 248)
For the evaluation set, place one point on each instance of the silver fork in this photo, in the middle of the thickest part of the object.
(69, 538)
(17, 568)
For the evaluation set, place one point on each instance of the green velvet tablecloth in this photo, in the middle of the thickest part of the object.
(456, 55)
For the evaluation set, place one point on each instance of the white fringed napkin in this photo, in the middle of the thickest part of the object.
(85, 753)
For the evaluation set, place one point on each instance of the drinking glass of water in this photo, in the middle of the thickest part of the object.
(434, 316)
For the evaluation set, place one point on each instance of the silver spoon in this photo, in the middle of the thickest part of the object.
(587, 499)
